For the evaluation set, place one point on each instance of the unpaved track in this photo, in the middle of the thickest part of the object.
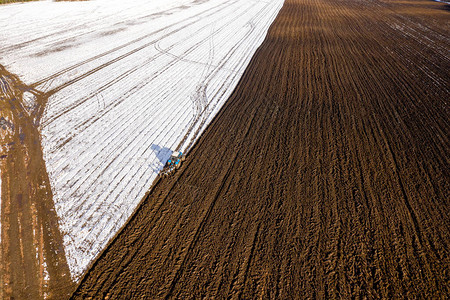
(32, 260)
(324, 176)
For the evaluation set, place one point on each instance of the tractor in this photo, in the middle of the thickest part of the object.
(173, 163)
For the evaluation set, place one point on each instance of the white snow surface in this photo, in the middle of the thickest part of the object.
(127, 80)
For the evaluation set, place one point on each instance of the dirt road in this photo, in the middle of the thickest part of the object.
(325, 175)
(32, 260)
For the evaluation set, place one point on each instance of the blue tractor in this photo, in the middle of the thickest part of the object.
(173, 163)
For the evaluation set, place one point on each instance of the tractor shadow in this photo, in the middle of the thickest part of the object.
(162, 154)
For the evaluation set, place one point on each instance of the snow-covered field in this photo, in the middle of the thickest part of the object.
(127, 80)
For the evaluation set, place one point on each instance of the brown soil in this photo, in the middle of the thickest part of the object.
(13, 1)
(326, 174)
(32, 260)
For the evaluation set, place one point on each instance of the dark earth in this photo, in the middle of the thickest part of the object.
(325, 175)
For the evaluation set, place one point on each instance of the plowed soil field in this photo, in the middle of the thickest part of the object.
(325, 175)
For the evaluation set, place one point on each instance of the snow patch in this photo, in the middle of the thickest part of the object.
(127, 80)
